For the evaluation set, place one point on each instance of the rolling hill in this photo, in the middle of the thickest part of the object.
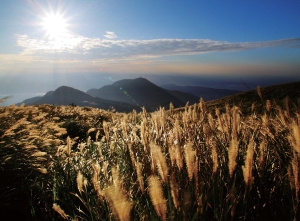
(126, 95)
(142, 92)
(276, 94)
(205, 92)
(66, 95)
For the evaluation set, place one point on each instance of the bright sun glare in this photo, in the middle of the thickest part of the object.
(55, 25)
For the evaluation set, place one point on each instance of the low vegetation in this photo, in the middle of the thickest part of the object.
(80, 163)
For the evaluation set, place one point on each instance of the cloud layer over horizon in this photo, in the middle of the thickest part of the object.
(72, 46)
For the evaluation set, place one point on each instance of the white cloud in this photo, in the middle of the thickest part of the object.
(110, 35)
(76, 47)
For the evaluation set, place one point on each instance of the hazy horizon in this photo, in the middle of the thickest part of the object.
(37, 85)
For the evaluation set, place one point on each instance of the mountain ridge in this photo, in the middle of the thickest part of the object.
(142, 92)
(207, 93)
(123, 95)
(65, 95)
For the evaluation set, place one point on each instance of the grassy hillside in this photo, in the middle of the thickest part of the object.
(82, 163)
(276, 94)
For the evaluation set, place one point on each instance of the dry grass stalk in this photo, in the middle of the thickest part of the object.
(211, 121)
(59, 211)
(268, 105)
(162, 118)
(178, 157)
(156, 123)
(186, 106)
(295, 168)
(227, 115)
(42, 170)
(202, 106)
(41, 159)
(99, 151)
(6, 160)
(177, 131)
(265, 120)
(196, 175)
(281, 115)
(134, 116)
(144, 134)
(194, 113)
(39, 154)
(261, 154)
(291, 176)
(115, 171)
(232, 154)
(90, 130)
(157, 198)
(190, 159)
(236, 119)
(174, 190)
(144, 112)
(171, 149)
(134, 135)
(69, 145)
(294, 137)
(207, 132)
(138, 167)
(131, 153)
(287, 107)
(79, 181)
(159, 161)
(219, 119)
(88, 140)
(247, 169)
(105, 169)
(106, 132)
(95, 181)
(252, 107)
(214, 158)
(171, 109)
(225, 124)
(124, 126)
(118, 201)
(259, 92)
(185, 119)
(97, 135)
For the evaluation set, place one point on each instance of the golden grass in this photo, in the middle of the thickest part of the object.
(157, 197)
(172, 164)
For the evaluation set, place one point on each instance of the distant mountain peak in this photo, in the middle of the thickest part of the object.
(142, 92)
(65, 95)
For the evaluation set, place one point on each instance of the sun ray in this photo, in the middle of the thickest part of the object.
(55, 25)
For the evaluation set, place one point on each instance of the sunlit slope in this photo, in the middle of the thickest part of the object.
(276, 94)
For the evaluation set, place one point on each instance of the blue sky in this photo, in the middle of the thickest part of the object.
(148, 38)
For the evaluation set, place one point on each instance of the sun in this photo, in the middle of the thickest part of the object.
(55, 25)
